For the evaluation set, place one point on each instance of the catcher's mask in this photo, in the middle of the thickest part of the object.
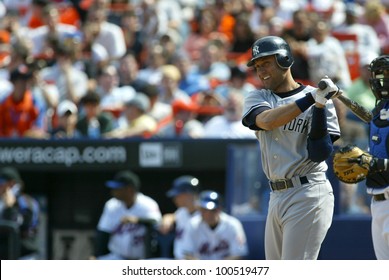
(272, 45)
(379, 79)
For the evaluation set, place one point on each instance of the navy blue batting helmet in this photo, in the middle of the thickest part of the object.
(209, 200)
(272, 45)
(184, 184)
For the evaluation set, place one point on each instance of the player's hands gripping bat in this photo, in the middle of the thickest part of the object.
(360, 111)
(328, 90)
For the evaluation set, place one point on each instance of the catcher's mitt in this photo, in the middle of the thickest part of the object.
(351, 164)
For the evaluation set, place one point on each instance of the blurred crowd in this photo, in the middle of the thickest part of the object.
(165, 68)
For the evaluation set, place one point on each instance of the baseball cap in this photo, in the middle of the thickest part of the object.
(8, 174)
(66, 106)
(209, 200)
(183, 184)
(123, 179)
(140, 101)
(22, 72)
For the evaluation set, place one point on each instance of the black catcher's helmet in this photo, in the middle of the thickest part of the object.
(272, 45)
(378, 82)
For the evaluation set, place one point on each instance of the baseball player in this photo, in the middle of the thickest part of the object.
(296, 126)
(125, 220)
(23, 210)
(184, 193)
(213, 235)
(378, 182)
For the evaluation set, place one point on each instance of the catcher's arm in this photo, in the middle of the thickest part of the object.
(352, 165)
(373, 164)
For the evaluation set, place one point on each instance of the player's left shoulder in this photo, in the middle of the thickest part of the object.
(145, 200)
(230, 220)
(146, 206)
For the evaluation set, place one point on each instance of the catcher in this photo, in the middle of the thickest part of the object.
(352, 165)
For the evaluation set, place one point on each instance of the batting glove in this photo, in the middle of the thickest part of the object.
(327, 90)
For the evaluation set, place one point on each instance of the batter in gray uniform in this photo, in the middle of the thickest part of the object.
(296, 126)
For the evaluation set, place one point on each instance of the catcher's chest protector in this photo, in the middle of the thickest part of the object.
(377, 141)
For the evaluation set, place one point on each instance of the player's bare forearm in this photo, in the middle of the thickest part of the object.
(273, 118)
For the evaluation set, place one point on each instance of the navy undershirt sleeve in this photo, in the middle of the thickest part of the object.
(249, 120)
(319, 141)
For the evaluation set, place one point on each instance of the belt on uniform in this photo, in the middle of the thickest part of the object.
(286, 183)
(379, 197)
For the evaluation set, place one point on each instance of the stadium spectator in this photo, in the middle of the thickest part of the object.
(171, 43)
(113, 97)
(126, 221)
(19, 113)
(212, 64)
(183, 123)
(151, 71)
(23, 211)
(367, 38)
(109, 35)
(92, 55)
(52, 28)
(71, 82)
(204, 23)
(260, 17)
(169, 90)
(129, 72)
(132, 31)
(158, 110)
(67, 113)
(326, 57)
(229, 124)
(32, 15)
(296, 35)
(190, 82)
(135, 120)
(243, 36)
(15, 53)
(94, 122)
(376, 17)
(238, 82)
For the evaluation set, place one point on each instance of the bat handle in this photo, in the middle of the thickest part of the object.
(322, 85)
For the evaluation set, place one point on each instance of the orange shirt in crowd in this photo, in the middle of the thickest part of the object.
(68, 15)
(17, 117)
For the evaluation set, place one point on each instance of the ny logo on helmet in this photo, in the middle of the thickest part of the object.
(255, 50)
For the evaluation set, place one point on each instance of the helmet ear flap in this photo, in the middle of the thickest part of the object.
(284, 61)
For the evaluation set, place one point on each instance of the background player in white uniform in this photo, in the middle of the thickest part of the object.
(184, 193)
(378, 182)
(125, 220)
(296, 128)
(214, 235)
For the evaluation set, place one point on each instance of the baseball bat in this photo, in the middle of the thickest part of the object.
(360, 111)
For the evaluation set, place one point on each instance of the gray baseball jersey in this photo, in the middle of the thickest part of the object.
(284, 149)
